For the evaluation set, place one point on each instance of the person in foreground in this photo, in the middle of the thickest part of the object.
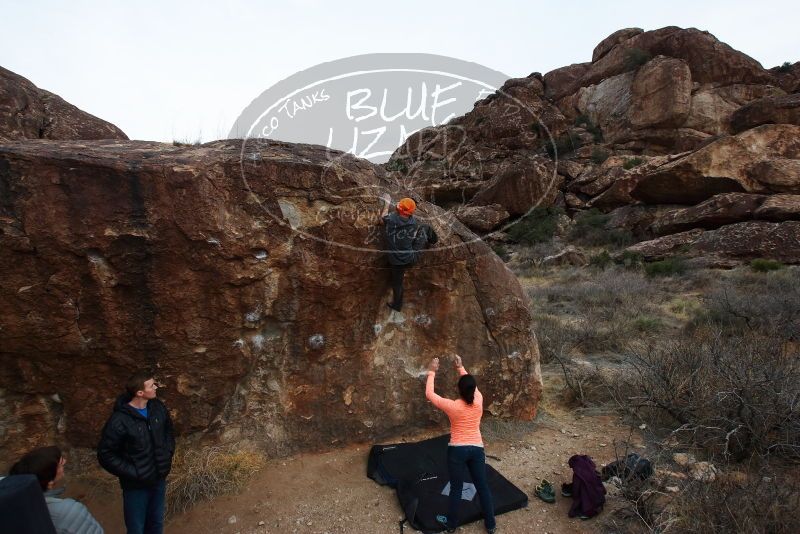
(68, 515)
(137, 446)
(466, 445)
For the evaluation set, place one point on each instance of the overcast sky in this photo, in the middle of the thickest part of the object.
(185, 70)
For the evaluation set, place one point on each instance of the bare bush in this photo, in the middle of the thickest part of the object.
(588, 385)
(584, 334)
(735, 396)
(202, 474)
(735, 501)
(604, 313)
(606, 289)
(525, 260)
(766, 302)
(744, 504)
(537, 226)
(539, 251)
(557, 338)
(590, 226)
(646, 509)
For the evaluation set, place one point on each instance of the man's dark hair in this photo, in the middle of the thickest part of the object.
(466, 388)
(42, 462)
(136, 382)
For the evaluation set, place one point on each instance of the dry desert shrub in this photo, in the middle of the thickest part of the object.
(750, 504)
(747, 301)
(588, 385)
(598, 290)
(734, 396)
(590, 230)
(601, 313)
(762, 501)
(202, 474)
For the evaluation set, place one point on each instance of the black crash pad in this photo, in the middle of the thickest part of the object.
(418, 471)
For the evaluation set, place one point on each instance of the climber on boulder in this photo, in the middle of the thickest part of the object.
(405, 237)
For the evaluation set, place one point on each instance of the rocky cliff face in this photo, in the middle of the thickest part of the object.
(658, 122)
(256, 290)
(27, 112)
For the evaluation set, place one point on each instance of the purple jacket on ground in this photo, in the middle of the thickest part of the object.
(588, 492)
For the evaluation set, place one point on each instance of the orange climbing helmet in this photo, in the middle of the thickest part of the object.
(406, 207)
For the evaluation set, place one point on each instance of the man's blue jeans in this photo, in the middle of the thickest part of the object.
(144, 508)
(474, 459)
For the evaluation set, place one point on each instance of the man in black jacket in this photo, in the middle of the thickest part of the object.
(137, 446)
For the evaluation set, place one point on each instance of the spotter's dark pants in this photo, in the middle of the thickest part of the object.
(460, 459)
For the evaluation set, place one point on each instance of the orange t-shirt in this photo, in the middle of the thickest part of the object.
(465, 419)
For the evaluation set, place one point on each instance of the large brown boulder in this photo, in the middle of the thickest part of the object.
(709, 60)
(636, 219)
(569, 169)
(650, 110)
(257, 293)
(778, 174)
(482, 218)
(564, 81)
(661, 141)
(613, 40)
(725, 209)
(658, 109)
(759, 160)
(779, 208)
(783, 109)
(607, 103)
(787, 77)
(617, 195)
(520, 188)
(27, 112)
(729, 245)
(661, 94)
(713, 106)
(666, 246)
(597, 179)
(611, 183)
(717, 211)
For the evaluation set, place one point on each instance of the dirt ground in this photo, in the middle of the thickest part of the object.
(330, 493)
